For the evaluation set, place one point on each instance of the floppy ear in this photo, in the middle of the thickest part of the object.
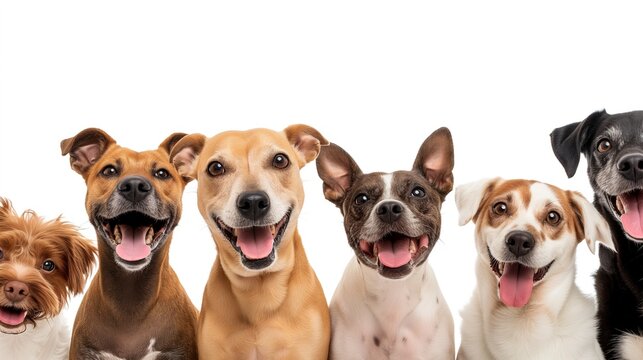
(570, 140)
(306, 141)
(185, 153)
(593, 227)
(81, 258)
(435, 160)
(170, 141)
(86, 148)
(338, 171)
(468, 198)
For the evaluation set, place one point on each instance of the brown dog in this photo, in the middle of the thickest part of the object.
(262, 300)
(135, 307)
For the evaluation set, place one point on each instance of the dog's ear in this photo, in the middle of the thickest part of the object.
(185, 153)
(82, 258)
(591, 225)
(435, 160)
(170, 141)
(86, 148)
(338, 171)
(306, 141)
(569, 141)
(6, 209)
(469, 197)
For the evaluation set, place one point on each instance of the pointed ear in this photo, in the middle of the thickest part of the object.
(570, 140)
(82, 258)
(185, 153)
(338, 171)
(593, 227)
(86, 148)
(170, 141)
(468, 198)
(435, 160)
(306, 141)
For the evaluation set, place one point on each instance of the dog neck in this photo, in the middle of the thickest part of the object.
(127, 292)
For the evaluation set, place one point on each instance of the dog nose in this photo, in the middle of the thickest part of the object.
(630, 166)
(520, 242)
(253, 205)
(134, 188)
(389, 211)
(16, 291)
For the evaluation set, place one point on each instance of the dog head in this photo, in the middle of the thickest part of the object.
(527, 231)
(42, 263)
(613, 147)
(250, 192)
(392, 221)
(133, 198)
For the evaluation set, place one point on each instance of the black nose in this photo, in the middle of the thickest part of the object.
(253, 205)
(630, 166)
(520, 242)
(389, 211)
(134, 188)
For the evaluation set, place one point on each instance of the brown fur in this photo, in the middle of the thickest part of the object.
(123, 310)
(279, 312)
(26, 241)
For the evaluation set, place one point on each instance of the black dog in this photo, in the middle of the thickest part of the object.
(613, 147)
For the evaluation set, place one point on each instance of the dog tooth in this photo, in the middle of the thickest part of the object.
(117, 234)
(412, 247)
(149, 236)
(501, 267)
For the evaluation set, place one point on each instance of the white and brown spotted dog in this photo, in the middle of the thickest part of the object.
(388, 304)
(526, 304)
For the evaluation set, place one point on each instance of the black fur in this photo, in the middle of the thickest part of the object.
(619, 280)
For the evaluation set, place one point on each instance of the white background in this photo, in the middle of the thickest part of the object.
(376, 77)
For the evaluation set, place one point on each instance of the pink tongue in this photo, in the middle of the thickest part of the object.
(394, 254)
(631, 219)
(12, 319)
(255, 242)
(516, 284)
(132, 246)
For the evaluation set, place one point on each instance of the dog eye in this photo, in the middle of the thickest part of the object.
(361, 198)
(280, 161)
(418, 192)
(553, 218)
(109, 171)
(161, 174)
(48, 266)
(1, 254)
(500, 208)
(604, 146)
(216, 168)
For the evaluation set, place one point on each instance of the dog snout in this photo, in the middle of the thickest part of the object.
(389, 211)
(520, 243)
(134, 188)
(16, 291)
(630, 166)
(253, 205)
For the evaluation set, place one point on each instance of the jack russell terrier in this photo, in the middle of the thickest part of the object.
(388, 304)
(262, 300)
(42, 263)
(526, 304)
(135, 308)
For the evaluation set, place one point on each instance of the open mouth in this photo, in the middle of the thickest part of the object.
(628, 207)
(134, 235)
(255, 244)
(516, 280)
(12, 320)
(395, 254)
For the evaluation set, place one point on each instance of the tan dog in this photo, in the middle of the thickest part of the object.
(262, 300)
(135, 307)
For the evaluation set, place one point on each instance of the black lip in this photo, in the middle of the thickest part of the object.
(369, 259)
(162, 228)
(254, 264)
(539, 274)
